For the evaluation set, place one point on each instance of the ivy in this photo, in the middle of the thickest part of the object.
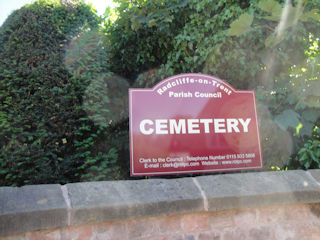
(240, 25)
(64, 75)
(251, 45)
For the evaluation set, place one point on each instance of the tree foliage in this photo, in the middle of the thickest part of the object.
(64, 78)
(270, 46)
(141, 37)
(46, 133)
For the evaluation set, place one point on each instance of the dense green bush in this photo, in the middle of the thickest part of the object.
(141, 37)
(289, 84)
(308, 155)
(52, 65)
(105, 102)
(63, 87)
(250, 44)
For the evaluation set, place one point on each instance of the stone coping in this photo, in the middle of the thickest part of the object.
(38, 207)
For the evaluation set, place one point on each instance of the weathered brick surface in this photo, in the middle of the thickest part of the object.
(14, 237)
(245, 218)
(296, 213)
(294, 222)
(222, 220)
(235, 234)
(84, 232)
(209, 236)
(170, 224)
(44, 235)
(270, 215)
(261, 233)
(195, 222)
(111, 231)
(142, 228)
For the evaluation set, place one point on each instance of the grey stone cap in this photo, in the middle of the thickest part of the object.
(39, 207)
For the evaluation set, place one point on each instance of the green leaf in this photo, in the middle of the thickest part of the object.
(313, 14)
(273, 17)
(135, 24)
(313, 89)
(270, 41)
(271, 7)
(273, 40)
(287, 118)
(311, 115)
(152, 22)
(168, 19)
(302, 150)
(240, 25)
(313, 156)
(306, 129)
(307, 165)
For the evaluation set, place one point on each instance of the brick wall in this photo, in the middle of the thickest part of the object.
(253, 206)
(291, 222)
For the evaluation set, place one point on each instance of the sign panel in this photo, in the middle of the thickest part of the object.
(193, 123)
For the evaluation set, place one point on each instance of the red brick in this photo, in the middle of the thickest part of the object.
(83, 232)
(183, 237)
(189, 237)
(195, 222)
(176, 237)
(270, 215)
(236, 234)
(245, 218)
(111, 231)
(305, 229)
(285, 231)
(138, 229)
(297, 213)
(314, 213)
(221, 220)
(315, 236)
(262, 233)
(44, 235)
(209, 236)
(14, 237)
(171, 224)
(155, 238)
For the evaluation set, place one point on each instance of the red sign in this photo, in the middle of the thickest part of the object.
(193, 123)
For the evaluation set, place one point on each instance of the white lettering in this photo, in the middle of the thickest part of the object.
(161, 126)
(177, 128)
(160, 91)
(245, 124)
(219, 125)
(206, 124)
(192, 124)
(143, 128)
(232, 123)
(143, 160)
